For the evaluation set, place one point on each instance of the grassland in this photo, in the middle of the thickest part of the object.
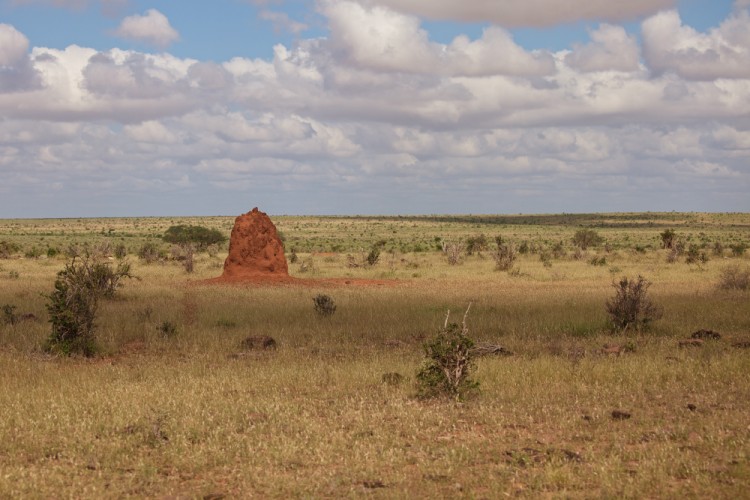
(193, 414)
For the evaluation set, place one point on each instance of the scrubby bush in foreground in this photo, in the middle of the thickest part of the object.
(449, 362)
(73, 303)
(631, 307)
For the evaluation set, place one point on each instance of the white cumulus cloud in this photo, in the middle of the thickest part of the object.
(611, 48)
(14, 45)
(723, 52)
(153, 27)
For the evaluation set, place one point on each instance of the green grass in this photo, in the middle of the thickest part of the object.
(192, 414)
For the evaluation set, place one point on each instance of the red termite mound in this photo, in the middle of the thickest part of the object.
(255, 250)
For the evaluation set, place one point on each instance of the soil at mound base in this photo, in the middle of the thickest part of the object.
(256, 256)
(255, 249)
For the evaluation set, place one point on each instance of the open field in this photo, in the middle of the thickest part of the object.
(193, 414)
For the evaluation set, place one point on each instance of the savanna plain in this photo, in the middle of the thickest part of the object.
(174, 403)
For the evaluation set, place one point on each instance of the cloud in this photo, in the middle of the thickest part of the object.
(372, 115)
(723, 52)
(153, 27)
(282, 22)
(611, 48)
(16, 70)
(14, 45)
(529, 13)
(396, 42)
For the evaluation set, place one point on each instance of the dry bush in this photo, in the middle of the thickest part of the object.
(631, 305)
(735, 278)
(324, 305)
(505, 256)
(453, 253)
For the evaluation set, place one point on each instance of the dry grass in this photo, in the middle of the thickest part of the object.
(195, 414)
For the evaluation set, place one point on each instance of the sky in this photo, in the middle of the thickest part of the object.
(157, 108)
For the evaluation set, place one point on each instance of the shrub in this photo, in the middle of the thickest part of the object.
(293, 258)
(73, 304)
(324, 305)
(200, 236)
(9, 315)
(120, 251)
(718, 249)
(735, 277)
(668, 238)
(631, 305)
(476, 244)
(598, 261)
(584, 238)
(694, 254)
(453, 253)
(149, 252)
(505, 256)
(189, 263)
(7, 248)
(448, 365)
(167, 329)
(523, 249)
(106, 279)
(738, 249)
(72, 309)
(373, 257)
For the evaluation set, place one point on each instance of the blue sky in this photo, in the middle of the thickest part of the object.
(137, 107)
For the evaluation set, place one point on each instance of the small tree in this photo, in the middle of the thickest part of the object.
(200, 236)
(476, 244)
(449, 362)
(668, 238)
(584, 238)
(631, 305)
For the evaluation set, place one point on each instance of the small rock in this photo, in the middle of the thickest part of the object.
(691, 407)
(620, 415)
(706, 334)
(259, 342)
(690, 343)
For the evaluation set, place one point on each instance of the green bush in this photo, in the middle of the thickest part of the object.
(73, 304)
(199, 236)
(668, 238)
(476, 244)
(738, 249)
(584, 238)
(449, 362)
